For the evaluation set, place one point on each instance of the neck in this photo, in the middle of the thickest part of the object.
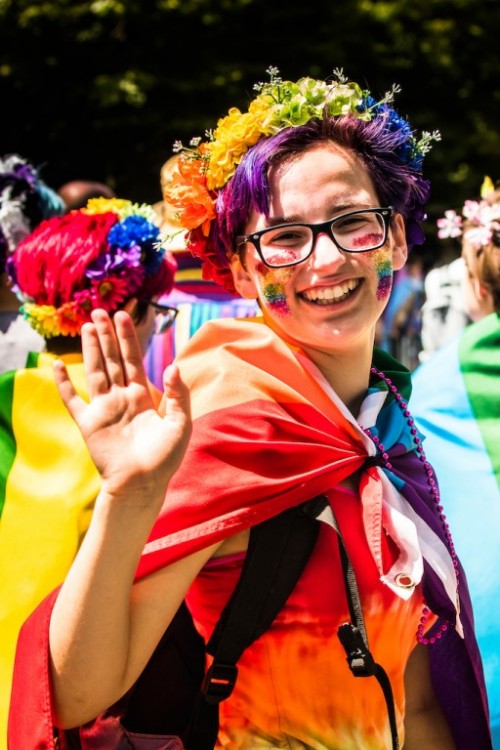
(347, 372)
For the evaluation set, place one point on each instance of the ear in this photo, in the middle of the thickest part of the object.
(399, 246)
(243, 281)
(481, 291)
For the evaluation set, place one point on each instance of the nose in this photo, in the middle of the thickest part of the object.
(325, 252)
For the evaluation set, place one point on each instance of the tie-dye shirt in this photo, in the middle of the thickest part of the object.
(294, 687)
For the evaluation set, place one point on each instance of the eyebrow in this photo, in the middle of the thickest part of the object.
(273, 221)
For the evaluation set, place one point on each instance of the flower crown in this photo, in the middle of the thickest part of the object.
(25, 200)
(131, 260)
(204, 167)
(482, 218)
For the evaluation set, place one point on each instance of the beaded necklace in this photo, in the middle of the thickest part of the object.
(433, 490)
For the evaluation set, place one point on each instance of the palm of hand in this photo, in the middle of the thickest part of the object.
(135, 450)
(130, 443)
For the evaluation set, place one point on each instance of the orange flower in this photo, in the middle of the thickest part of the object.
(188, 192)
(70, 320)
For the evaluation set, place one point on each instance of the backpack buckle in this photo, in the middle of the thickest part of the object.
(219, 682)
(359, 658)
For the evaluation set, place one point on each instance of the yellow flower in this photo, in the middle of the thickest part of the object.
(487, 187)
(102, 205)
(43, 318)
(234, 135)
(263, 110)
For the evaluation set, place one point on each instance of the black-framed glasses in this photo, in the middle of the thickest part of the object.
(352, 232)
(165, 316)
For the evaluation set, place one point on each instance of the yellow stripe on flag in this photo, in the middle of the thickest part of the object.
(50, 495)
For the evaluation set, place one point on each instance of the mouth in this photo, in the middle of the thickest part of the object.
(331, 295)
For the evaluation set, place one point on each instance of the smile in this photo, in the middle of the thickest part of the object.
(335, 294)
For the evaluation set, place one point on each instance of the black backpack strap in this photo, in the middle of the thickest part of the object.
(278, 551)
(353, 637)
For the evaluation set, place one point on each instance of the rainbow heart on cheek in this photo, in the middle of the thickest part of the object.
(272, 288)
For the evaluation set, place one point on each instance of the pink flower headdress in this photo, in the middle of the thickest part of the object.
(480, 220)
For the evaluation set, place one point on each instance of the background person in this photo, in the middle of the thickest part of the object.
(25, 200)
(104, 255)
(307, 202)
(77, 193)
(456, 401)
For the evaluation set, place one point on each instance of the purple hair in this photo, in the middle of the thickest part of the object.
(397, 184)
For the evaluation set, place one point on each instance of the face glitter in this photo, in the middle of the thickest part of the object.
(273, 288)
(383, 265)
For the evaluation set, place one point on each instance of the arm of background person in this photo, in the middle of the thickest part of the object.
(425, 724)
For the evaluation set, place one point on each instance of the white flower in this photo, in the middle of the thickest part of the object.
(450, 225)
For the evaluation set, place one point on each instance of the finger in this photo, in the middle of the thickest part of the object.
(176, 399)
(131, 351)
(95, 370)
(74, 404)
(110, 347)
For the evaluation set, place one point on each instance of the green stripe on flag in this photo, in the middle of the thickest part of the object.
(479, 355)
(7, 440)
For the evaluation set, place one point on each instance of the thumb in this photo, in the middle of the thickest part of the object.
(176, 397)
(74, 404)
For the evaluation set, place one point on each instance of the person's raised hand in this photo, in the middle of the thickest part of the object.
(135, 450)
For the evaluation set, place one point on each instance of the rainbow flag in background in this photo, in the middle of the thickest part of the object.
(193, 312)
(456, 402)
(48, 485)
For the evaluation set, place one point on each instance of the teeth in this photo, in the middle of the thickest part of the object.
(332, 293)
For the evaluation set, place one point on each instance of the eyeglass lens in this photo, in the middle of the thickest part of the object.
(292, 243)
(164, 319)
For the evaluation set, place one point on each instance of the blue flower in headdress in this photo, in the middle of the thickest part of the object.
(134, 230)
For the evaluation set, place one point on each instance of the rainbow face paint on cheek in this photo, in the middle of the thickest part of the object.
(272, 287)
(382, 260)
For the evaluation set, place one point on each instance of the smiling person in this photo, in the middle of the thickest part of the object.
(308, 202)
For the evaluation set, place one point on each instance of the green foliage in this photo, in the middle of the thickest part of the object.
(102, 88)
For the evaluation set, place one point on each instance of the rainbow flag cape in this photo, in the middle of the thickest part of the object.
(268, 434)
(48, 485)
(456, 401)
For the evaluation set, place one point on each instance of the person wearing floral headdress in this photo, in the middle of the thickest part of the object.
(25, 200)
(307, 202)
(104, 256)
(456, 401)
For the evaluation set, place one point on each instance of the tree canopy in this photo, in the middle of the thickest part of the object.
(100, 89)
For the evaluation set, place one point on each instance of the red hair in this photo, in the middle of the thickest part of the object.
(51, 261)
